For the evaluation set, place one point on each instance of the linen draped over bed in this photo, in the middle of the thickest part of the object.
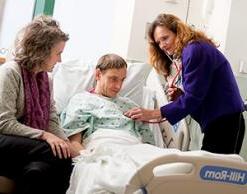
(109, 161)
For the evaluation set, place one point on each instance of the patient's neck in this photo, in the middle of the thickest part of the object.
(97, 91)
(101, 92)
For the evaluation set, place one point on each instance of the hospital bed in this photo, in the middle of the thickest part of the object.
(81, 72)
(183, 171)
(142, 85)
(192, 172)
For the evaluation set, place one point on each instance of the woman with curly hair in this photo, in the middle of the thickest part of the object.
(208, 91)
(34, 149)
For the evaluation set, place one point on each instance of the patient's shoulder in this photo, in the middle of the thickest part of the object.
(83, 95)
(85, 100)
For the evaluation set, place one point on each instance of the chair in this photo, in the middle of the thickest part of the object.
(7, 186)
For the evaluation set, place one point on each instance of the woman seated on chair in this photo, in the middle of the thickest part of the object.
(34, 150)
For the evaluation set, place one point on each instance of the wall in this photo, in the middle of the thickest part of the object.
(123, 17)
(132, 41)
(236, 40)
(15, 15)
(119, 26)
(216, 19)
(113, 26)
(221, 20)
(89, 24)
(137, 48)
(2, 5)
(225, 25)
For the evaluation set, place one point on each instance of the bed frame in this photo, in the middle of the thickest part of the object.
(176, 136)
(194, 172)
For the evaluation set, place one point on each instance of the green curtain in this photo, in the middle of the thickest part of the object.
(45, 7)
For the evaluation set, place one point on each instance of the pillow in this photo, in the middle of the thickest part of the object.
(77, 75)
(70, 78)
(137, 74)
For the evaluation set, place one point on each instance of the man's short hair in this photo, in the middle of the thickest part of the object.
(111, 61)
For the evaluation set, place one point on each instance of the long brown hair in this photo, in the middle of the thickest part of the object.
(184, 34)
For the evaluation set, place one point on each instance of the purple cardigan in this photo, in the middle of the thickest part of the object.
(210, 89)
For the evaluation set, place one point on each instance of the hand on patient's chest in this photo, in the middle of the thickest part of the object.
(109, 113)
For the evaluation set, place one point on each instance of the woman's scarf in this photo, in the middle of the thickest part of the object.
(37, 99)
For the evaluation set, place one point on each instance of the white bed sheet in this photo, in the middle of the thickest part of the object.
(110, 160)
(116, 162)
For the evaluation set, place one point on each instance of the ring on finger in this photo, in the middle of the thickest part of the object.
(60, 144)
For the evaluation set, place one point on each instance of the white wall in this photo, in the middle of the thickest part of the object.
(97, 27)
(123, 17)
(137, 48)
(141, 12)
(2, 5)
(217, 19)
(89, 24)
(236, 40)
(15, 15)
(195, 16)
(226, 24)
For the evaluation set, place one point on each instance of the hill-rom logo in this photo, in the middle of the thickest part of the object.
(223, 174)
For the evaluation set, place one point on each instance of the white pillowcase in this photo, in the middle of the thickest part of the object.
(135, 81)
(76, 76)
(70, 78)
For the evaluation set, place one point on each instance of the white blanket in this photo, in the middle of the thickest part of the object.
(109, 161)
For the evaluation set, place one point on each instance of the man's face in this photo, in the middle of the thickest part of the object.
(109, 82)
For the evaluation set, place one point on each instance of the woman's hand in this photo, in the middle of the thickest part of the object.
(59, 147)
(173, 93)
(142, 114)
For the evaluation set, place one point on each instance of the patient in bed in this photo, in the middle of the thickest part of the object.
(111, 145)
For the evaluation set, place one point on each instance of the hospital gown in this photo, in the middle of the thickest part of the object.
(89, 112)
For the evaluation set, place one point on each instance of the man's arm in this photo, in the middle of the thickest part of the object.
(76, 142)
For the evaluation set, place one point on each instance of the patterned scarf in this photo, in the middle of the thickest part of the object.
(37, 99)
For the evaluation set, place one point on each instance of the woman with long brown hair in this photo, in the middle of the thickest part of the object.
(208, 91)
